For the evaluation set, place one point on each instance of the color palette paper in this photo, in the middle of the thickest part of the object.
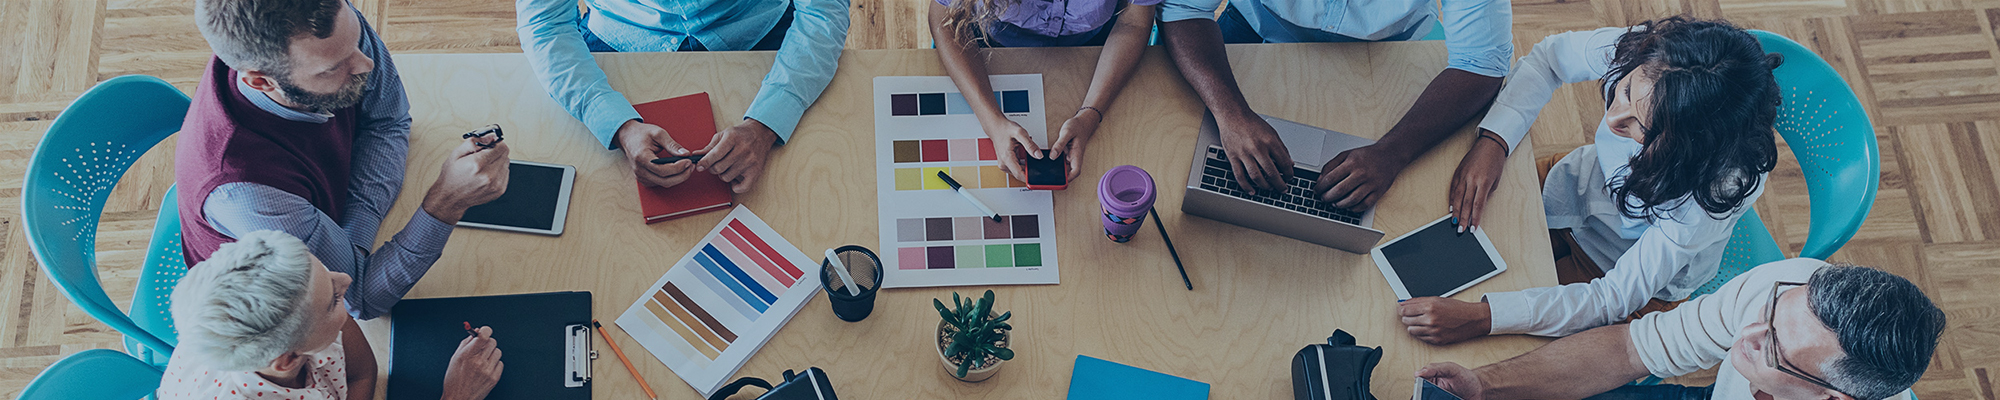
(722, 301)
(931, 236)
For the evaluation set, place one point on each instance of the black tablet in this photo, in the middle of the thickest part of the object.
(1436, 260)
(537, 200)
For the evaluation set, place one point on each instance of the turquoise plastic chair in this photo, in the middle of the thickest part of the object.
(1827, 130)
(95, 374)
(69, 178)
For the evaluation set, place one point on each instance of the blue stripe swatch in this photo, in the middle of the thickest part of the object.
(737, 272)
(718, 291)
(732, 283)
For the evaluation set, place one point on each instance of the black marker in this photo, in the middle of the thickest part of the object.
(675, 159)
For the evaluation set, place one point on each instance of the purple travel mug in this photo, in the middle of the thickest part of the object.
(1126, 193)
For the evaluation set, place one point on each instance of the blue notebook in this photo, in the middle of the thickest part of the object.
(1096, 379)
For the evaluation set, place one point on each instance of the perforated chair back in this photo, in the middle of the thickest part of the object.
(163, 269)
(71, 175)
(95, 374)
(1829, 132)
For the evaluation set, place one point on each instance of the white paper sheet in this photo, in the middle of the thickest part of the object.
(973, 250)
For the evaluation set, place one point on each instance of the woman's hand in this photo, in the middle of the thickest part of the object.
(1075, 136)
(1006, 134)
(1478, 174)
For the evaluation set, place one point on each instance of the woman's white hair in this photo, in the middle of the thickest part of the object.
(242, 307)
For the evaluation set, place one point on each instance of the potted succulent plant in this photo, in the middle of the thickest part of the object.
(971, 341)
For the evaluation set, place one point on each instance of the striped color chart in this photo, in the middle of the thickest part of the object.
(722, 301)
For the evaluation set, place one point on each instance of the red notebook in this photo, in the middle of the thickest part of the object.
(691, 122)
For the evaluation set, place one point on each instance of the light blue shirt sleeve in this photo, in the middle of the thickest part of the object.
(1179, 10)
(1479, 35)
(380, 279)
(563, 64)
(381, 144)
(805, 65)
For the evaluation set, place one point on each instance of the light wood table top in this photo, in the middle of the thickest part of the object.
(1258, 297)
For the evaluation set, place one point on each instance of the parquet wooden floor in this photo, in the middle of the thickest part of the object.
(1925, 68)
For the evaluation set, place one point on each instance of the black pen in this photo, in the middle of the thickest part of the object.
(675, 159)
(968, 196)
(1170, 248)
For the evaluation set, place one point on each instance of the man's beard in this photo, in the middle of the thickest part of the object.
(348, 95)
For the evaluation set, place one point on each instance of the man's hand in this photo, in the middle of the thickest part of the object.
(737, 154)
(1256, 154)
(1477, 175)
(1441, 321)
(1358, 177)
(1006, 135)
(644, 142)
(472, 175)
(475, 368)
(1075, 136)
(1455, 379)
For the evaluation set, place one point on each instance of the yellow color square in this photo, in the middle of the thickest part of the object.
(1011, 182)
(931, 181)
(909, 179)
(991, 176)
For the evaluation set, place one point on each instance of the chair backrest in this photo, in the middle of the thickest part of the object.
(71, 175)
(95, 374)
(1829, 132)
(163, 269)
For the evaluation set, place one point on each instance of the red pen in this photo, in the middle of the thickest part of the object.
(468, 329)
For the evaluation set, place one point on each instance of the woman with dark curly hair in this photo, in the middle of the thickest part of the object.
(1680, 155)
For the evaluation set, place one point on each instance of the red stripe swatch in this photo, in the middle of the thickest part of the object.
(730, 235)
(766, 249)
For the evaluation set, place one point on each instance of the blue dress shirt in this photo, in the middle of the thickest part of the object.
(1478, 33)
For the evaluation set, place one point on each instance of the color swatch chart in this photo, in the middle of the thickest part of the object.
(930, 235)
(913, 235)
(722, 301)
(953, 103)
(915, 153)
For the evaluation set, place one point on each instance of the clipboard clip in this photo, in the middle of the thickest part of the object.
(577, 354)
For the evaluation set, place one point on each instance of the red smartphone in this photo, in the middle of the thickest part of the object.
(1046, 173)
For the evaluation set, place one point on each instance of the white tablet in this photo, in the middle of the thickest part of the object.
(1436, 260)
(537, 200)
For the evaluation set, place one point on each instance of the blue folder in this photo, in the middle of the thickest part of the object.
(1096, 379)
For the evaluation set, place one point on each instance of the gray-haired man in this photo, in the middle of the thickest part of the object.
(1793, 329)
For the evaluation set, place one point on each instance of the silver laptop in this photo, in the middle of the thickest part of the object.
(1214, 193)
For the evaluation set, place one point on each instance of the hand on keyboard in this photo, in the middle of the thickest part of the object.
(1216, 177)
(1358, 177)
(1259, 154)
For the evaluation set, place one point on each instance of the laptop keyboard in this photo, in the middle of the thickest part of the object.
(1216, 177)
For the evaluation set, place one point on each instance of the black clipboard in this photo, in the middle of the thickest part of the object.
(538, 333)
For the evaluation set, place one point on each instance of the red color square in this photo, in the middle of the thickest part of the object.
(986, 149)
(937, 150)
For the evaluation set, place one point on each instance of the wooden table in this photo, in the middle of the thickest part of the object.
(1258, 297)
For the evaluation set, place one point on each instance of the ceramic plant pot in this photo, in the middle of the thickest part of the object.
(973, 375)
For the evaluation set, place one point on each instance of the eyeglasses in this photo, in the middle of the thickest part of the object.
(1774, 357)
(481, 132)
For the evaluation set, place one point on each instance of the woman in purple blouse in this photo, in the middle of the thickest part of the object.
(1121, 26)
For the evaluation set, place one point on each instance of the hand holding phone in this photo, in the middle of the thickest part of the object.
(1045, 173)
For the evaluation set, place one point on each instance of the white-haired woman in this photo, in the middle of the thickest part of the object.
(263, 319)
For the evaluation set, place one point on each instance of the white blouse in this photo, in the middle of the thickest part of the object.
(189, 379)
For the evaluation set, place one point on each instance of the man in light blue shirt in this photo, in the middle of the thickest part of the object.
(808, 35)
(1478, 38)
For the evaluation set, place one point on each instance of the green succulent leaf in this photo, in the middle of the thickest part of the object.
(1004, 353)
(962, 368)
